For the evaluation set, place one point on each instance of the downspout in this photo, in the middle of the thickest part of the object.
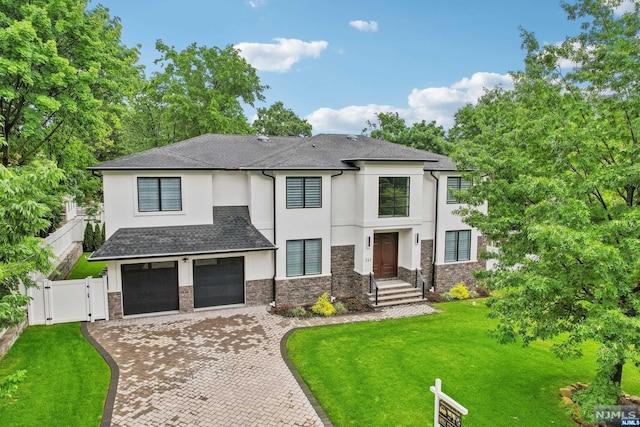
(435, 235)
(331, 232)
(275, 258)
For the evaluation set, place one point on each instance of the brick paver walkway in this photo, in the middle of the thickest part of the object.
(213, 368)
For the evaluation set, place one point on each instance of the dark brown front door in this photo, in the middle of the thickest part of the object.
(385, 255)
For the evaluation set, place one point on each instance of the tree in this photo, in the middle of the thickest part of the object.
(199, 90)
(422, 135)
(22, 218)
(279, 121)
(63, 78)
(557, 160)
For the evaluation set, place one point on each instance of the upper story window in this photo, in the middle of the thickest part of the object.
(456, 183)
(304, 192)
(304, 257)
(159, 194)
(457, 246)
(393, 196)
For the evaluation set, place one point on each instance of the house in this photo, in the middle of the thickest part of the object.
(219, 220)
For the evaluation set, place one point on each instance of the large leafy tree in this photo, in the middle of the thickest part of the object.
(393, 128)
(198, 90)
(280, 121)
(558, 160)
(63, 78)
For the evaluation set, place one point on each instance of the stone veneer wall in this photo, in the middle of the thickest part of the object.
(66, 264)
(114, 299)
(258, 292)
(9, 336)
(301, 290)
(185, 295)
(447, 275)
(426, 261)
(343, 282)
(361, 282)
(407, 275)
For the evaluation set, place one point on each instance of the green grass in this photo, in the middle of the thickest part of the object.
(66, 382)
(379, 373)
(83, 268)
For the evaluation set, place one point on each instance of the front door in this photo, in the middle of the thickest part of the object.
(385, 255)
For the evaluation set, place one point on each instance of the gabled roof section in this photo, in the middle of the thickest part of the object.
(247, 152)
(231, 231)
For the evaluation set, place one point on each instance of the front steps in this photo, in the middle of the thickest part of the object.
(395, 292)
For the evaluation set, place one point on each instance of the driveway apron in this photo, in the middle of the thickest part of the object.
(212, 368)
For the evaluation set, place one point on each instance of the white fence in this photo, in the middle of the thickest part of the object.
(63, 301)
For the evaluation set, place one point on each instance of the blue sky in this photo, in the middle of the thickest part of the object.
(337, 63)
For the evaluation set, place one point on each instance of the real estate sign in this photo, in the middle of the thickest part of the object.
(446, 412)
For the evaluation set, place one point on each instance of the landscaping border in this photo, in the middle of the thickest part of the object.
(109, 402)
(303, 385)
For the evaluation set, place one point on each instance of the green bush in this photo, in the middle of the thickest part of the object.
(340, 308)
(298, 311)
(460, 291)
(447, 296)
(88, 239)
(9, 385)
(323, 306)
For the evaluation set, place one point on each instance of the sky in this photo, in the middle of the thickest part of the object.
(338, 63)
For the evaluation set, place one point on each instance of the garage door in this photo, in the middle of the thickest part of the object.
(150, 287)
(218, 281)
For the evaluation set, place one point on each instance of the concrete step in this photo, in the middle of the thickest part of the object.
(404, 293)
(398, 302)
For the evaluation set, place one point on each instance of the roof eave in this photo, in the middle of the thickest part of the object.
(166, 255)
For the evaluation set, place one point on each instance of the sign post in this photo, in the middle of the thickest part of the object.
(446, 411)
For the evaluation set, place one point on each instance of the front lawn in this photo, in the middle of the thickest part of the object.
(84, 268)
(66, 381)
(379, 373)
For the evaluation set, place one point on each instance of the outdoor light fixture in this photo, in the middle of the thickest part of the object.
(185, 259)
(417, 238)
(368, 241)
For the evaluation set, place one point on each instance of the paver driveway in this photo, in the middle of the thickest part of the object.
(213, 368)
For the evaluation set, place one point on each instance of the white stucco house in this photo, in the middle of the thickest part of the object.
(220, 220)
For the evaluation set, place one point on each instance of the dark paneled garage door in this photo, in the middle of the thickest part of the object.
(150, 287)
(218, 281)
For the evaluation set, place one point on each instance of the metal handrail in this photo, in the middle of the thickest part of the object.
(420, 278)
(372, 283)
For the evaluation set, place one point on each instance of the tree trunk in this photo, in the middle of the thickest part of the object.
(617, 375)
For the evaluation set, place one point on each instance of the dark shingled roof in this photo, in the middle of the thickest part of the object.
(231, 231)
(321, 152)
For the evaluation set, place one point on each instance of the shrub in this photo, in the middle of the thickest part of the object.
(353, 304)
(473, 294)
(9, 385)
(433, 297)
(89, 237)
(447, 296)
(340, 308)
(460, 291)
(482, 291)
(298, 311)
(323, 306)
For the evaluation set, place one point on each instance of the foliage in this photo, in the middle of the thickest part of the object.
(66, 383)
(323, 306)
(63, 78)
(197, 91)
(9, 385)
(279, 121)
(447, 296)
(557, 160)
(482, 291)
(298, 311)
(340, 308)
(23, 217)
(424, 136)
(89, 237)
(84, 269)
(460, 291)
(433, 297)
(336, 362)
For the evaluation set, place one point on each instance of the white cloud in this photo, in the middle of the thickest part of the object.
(627, 6)
(431, 103)
(368, 26)
(257, 3)
(279, 56)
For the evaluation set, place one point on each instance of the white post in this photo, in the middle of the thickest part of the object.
(90, 310)
(48, 302)
(105, 290)
(437, 390)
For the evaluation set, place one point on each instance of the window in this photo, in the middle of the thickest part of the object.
(393, 196)
(159, 194)
(304, 257)
(457, 246)
(456, 183)
(304, 192)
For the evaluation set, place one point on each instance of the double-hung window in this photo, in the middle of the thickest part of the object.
(159, 194)
(457, 246)
(304, 257)
(393, 196)
(304, 192)
(456, 183)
